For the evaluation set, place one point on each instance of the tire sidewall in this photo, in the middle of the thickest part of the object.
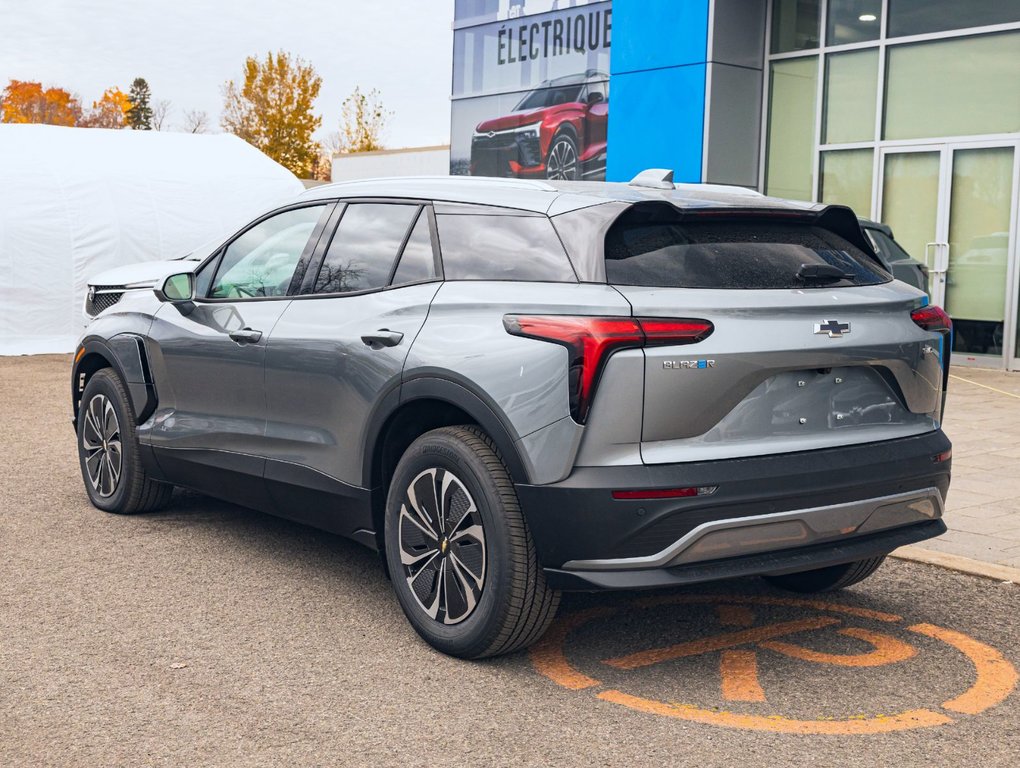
(473, 635)
(102, 383)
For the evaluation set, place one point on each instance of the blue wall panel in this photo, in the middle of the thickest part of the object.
(657, 121)
(657, 87)
(649, 34)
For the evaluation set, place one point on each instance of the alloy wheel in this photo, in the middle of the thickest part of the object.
(562, 161)
(442, 546)
(101, 442)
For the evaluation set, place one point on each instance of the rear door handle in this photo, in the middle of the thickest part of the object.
(382, 338)
(246, 336)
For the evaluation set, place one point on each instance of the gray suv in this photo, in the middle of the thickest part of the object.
(513, 388)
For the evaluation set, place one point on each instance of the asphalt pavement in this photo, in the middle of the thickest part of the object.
(212, 635)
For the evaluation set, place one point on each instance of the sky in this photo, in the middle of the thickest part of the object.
(187, 50)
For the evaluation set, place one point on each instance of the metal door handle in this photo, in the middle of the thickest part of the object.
(245, 336)
(382, 338)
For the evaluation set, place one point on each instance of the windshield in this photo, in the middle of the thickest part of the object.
(550, 97)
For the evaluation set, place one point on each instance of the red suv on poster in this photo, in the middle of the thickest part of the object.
(557, 131)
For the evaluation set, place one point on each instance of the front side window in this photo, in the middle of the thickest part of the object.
(365, 247)
(261, 262)
(417, 262)
(487, 247)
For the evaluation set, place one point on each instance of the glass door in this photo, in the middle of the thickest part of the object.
(954, 207)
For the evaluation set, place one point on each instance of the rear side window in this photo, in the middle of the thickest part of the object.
(733, 253)
(500, 247)
(365, 247)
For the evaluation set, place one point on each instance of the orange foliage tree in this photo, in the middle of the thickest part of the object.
(27, 102)
(109, 112)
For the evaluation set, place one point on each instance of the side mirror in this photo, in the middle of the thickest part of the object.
(178, 290)
(595, 97)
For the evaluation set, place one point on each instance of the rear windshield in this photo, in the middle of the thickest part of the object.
(734, 253)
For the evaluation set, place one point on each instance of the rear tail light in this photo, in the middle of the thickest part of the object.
(932, 318)
(591, 340)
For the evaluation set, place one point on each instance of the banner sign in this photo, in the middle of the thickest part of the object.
(531, 90)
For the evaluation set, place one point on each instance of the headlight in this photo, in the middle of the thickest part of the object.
(529, 131)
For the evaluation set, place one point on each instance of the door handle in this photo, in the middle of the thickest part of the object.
(382, 338)
(245, 336)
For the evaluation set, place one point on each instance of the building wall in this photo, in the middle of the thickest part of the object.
(414, 161)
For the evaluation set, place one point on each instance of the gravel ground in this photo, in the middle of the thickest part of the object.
(211, 635)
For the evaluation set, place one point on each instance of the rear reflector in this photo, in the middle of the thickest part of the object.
(591, 340)
(944, 456)
(667, 493)
(932, 318)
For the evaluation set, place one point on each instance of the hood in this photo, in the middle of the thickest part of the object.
(144, 275)
(515, 119)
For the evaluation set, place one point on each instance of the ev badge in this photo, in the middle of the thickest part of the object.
(834, 328)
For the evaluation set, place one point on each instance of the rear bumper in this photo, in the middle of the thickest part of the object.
(790, 511)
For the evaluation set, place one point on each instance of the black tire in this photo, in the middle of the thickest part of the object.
(563, 162)
(131, 489)
(511, 607)
(827, 579)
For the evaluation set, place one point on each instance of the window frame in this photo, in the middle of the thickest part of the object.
(306, 290)
(214, 261)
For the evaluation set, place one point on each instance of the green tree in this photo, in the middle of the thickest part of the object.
(271, 109)
(139, 114)
(362, 122)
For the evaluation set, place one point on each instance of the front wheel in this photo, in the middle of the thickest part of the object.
(459, 551)
(108, 452)
(562, 163)
(827, 579)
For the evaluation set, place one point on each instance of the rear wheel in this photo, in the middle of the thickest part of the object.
(459, 551)
(827, 579)
(108, 452)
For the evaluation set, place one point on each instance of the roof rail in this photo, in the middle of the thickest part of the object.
(655, 178)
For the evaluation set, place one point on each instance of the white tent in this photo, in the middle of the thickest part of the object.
(75, 202)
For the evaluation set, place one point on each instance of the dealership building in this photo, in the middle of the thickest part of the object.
(906, 110)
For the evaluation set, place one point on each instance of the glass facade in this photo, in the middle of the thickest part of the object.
(908, 111)
(957, 87)
(851, 92)
(793, 85)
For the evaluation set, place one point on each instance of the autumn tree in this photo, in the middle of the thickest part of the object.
(271, 109)
(109, 112)
(362, 121)
(139, 114)
(28, 102)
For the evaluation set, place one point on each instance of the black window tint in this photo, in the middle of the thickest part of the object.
(733, 253)
(261, 261)
(502, 248)
(887, 247)
(417, 262)
(365, 245)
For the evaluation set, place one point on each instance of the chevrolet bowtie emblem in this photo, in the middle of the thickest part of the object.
(833, 328)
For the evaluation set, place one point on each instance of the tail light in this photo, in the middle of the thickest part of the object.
(932, 318)
(591, 340)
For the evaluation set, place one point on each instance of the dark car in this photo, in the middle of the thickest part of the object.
(557, 131)
(896, 260)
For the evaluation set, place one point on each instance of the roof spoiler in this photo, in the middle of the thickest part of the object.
(654, 178)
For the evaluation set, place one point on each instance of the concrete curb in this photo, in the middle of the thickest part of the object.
(959, 563)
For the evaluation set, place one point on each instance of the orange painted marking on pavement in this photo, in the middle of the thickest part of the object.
(915, 718)
(740, 676)
(996, 677)
(888, 650)
(791, 602)
(735, 615)
(718, 643)
(548, 657)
